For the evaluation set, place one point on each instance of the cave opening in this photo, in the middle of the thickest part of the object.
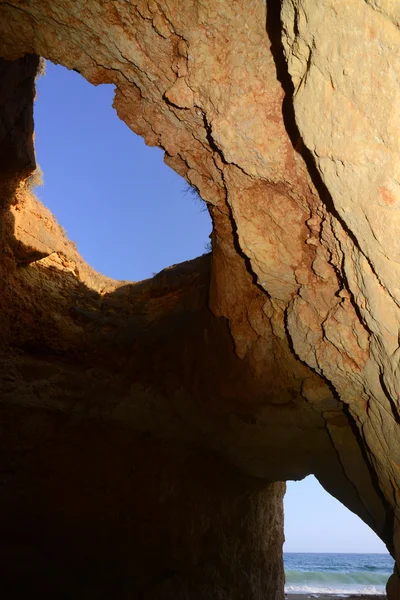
(328, 548)
(129, 214)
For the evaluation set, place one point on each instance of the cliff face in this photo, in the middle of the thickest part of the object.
(275, 358)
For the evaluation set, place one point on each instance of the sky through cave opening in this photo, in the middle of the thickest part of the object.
(328, 549)
(129, 213)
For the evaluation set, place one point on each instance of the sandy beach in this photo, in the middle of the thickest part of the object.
(331, 597)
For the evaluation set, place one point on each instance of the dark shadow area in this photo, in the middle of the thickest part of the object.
(17, 155)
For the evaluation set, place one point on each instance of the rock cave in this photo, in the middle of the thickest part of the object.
(147, 429)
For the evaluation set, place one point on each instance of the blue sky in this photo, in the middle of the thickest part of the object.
(126, 210)
(317, 522)
(130, 217)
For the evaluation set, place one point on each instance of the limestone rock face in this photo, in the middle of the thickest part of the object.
(346, 101)
(275, 357)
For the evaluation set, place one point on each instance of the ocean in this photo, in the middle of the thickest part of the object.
(341, 574)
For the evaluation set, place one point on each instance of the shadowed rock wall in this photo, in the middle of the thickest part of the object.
(280, 355)
(91, 509)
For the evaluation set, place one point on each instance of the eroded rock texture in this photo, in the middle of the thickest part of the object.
(125, 405)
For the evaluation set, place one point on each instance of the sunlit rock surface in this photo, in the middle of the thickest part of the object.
(273, 358)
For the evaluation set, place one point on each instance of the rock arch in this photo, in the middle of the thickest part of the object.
(276, 358)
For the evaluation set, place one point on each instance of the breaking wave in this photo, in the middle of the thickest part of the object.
(339, 574)
(332, 579)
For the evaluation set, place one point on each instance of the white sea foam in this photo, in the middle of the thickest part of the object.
(338, 591)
